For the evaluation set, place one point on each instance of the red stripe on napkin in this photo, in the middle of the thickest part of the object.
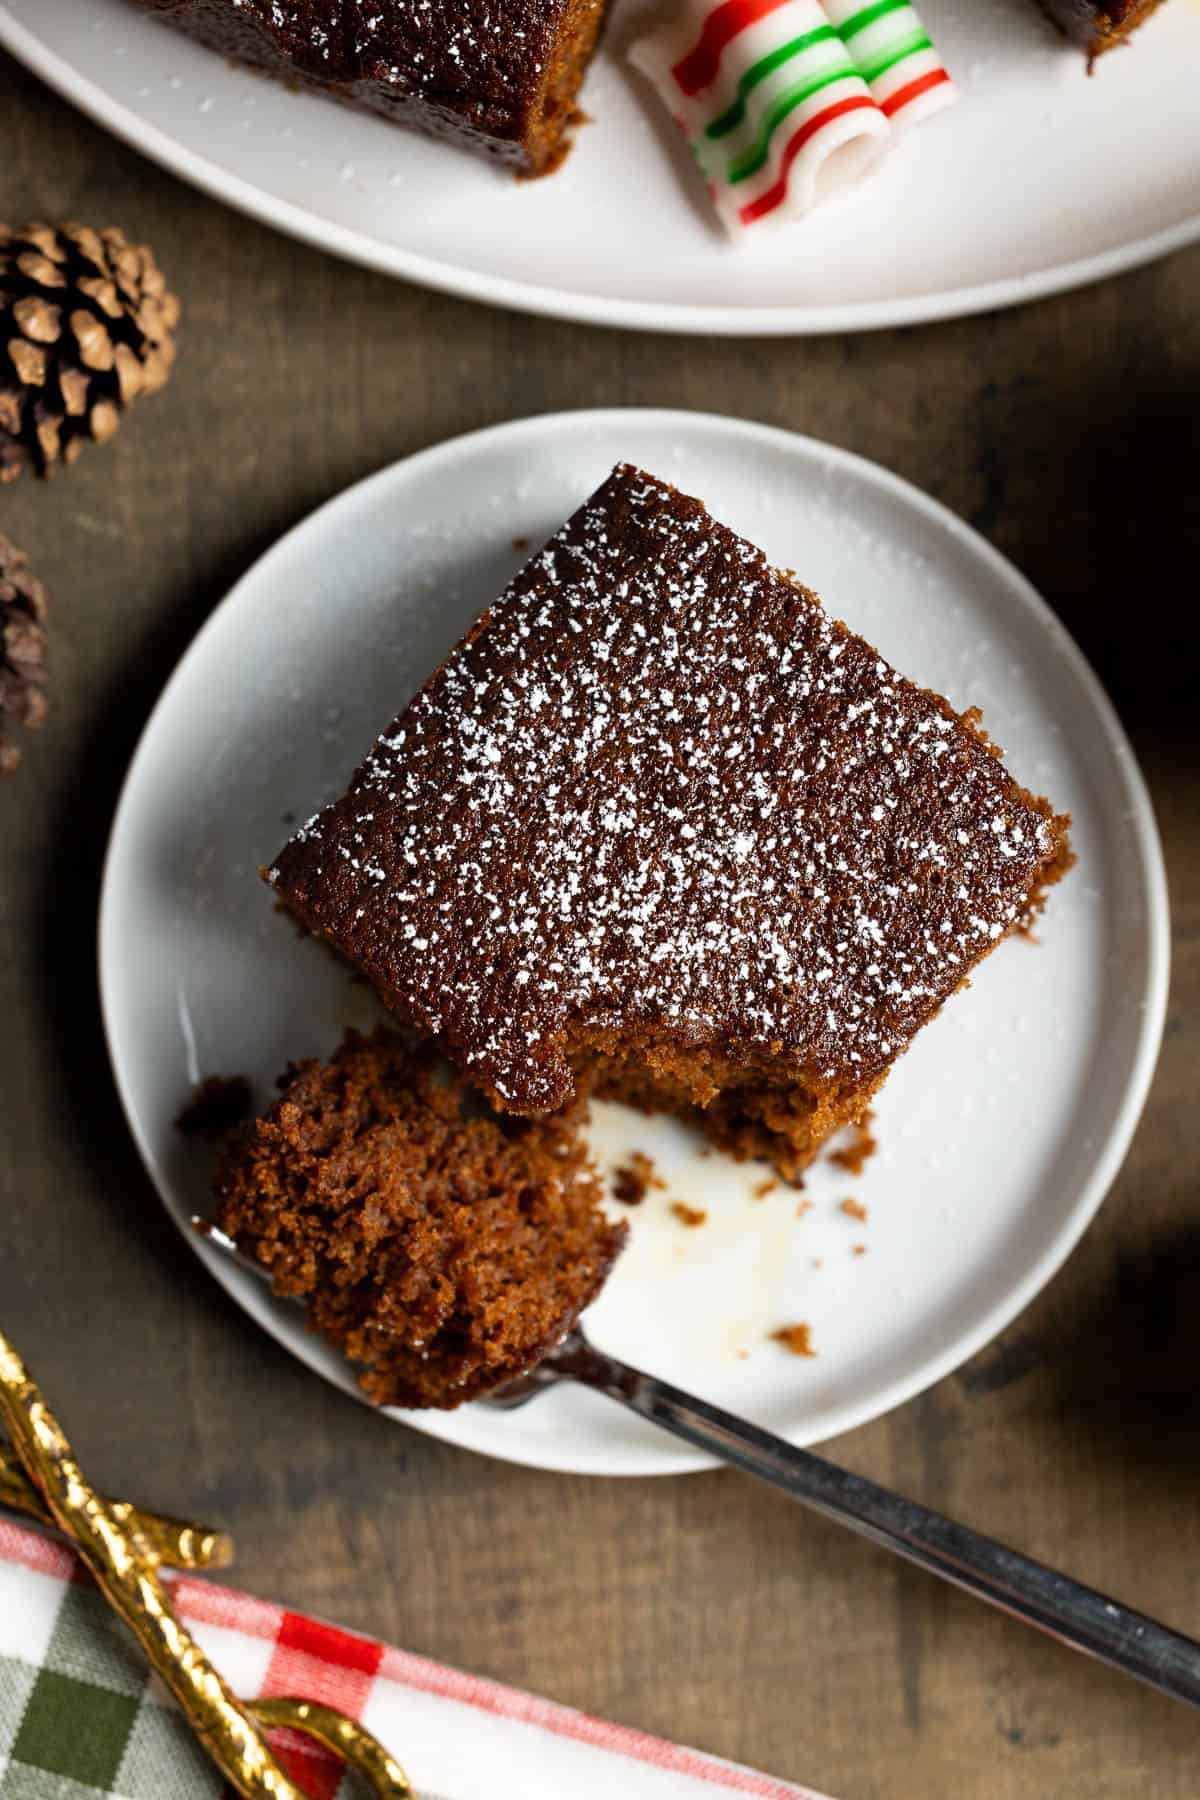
(434, 1678)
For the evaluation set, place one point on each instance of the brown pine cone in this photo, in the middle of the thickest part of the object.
(86, 324)
(23, 605)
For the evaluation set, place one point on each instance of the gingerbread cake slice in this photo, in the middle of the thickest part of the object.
(660, 827)
(498, 78)
(441, 1250)
(1098, 25)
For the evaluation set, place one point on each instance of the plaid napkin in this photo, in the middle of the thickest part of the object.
(79, 1716)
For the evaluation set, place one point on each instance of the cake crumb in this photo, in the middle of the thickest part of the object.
(796, 1338)
(216, 1105)
(520, 544)
(858, 1250)
(688, 1215)
(765, 1187)
(802, 1207)
(818, 1262)
(861, 1148)
(854, 1209)
(634, 1179)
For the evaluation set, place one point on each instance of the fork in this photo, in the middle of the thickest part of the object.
(1056, 1604)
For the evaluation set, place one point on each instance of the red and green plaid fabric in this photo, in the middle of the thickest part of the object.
(79, 1718)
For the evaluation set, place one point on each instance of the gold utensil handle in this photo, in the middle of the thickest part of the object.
(345, 1737)
(124, 1567)
(172, 1542)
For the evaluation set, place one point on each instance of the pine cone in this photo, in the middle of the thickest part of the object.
(86, 323)
(23, 604)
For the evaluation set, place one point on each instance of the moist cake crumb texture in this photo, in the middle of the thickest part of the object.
(662, 827)
(441, 1250)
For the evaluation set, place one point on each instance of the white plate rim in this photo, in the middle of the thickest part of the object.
(498, 290)
(1110, 1150)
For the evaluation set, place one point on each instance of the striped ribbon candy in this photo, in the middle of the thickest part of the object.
(773, 107)
(783, 102)
(895, 56)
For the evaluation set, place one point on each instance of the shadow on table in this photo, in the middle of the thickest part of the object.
(1124, 1367)
(1098, 506)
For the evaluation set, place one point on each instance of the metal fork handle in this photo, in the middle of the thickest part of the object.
(1053, 1603)
(1027, 1590)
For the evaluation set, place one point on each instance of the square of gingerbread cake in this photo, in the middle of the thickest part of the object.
(662, 829)
(501, 79)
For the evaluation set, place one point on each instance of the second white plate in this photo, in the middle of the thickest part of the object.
(1040, 180)
(999, 1131)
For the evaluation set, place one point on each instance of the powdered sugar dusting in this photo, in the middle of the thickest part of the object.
(659, 785)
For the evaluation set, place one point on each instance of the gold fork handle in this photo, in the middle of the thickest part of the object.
(126, 1572)
(172, 1542)
(345, 1737)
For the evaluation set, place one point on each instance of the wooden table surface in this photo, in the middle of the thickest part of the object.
(703, 1608)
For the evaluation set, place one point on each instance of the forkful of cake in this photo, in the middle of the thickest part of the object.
(449, 1253)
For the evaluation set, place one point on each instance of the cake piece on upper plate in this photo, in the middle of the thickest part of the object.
(499, 78)
(1097, 25)
(660, 828)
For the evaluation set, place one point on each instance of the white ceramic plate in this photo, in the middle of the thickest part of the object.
(999, 1131)
(1040, 180)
